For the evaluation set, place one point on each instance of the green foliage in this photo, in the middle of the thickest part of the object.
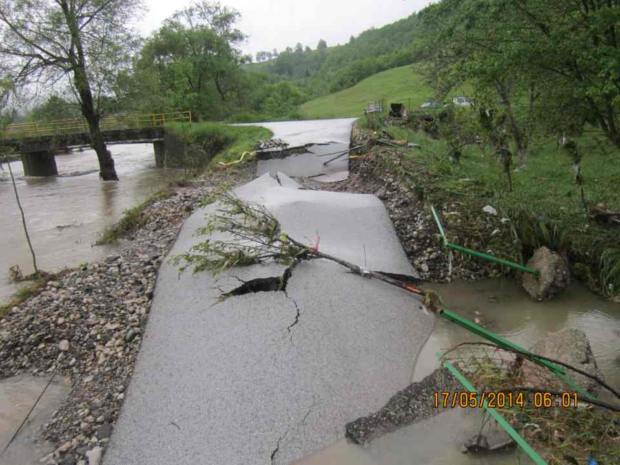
(55, 108)
(544, 206)
(254, 237)
(549, 64)
(219, 142)
(281, 98)
(190, 63)
(330, 69)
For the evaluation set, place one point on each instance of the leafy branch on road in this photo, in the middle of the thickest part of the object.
(239, 233)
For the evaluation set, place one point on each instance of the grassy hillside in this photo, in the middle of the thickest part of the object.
(401, 84)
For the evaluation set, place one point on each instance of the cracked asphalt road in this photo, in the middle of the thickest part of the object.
(323, 138)
(269, 377)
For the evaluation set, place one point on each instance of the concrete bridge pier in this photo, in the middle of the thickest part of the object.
(159, 147)
(40, 163)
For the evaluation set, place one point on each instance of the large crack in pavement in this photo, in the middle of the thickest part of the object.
(271, 284)
(226, 369)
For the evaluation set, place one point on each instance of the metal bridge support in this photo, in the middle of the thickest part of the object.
(41, 163)
(159, 147)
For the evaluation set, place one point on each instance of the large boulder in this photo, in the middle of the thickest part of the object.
(569, 346)
(553, 276)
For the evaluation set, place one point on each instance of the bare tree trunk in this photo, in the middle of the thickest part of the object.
(517, 134)
(21, 211)
(612, 125)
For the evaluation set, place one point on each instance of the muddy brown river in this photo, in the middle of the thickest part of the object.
(66, 214)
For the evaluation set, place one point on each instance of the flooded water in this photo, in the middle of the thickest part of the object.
(502, 307)
(66, 214)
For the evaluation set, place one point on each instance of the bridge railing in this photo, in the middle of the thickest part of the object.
(108, 123)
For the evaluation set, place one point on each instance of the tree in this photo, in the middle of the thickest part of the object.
(55, 108)
(6, 86)
(193, 60)
(473, 43)
(322, 45)
(85, 40)
(263, 56)
(558, 60)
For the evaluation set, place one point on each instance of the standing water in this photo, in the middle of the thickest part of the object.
(504, 308)
(66, 214)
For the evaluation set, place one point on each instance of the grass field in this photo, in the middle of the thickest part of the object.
(401, 85)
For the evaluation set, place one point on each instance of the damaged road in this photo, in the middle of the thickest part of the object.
(315, 142)
(273, 372)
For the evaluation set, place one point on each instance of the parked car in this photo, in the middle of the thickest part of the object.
(462, 101)
(431, 105)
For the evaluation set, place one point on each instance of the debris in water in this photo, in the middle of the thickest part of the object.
(493, 441)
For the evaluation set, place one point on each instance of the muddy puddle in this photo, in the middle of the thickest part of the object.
(35, 398)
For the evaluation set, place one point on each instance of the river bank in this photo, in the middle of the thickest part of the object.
(86, 323)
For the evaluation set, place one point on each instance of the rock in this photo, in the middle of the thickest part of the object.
(68, 460)
(491, 442)
(570, 346)
(104, 431)
(64, 345)
(553, 277)
(131, 334)
(94, 455)
(489, 210)
(381, 193)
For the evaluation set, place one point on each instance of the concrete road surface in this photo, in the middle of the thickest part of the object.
(270, 377)
(324, 140)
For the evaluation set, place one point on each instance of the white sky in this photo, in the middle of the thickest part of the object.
(280, 23)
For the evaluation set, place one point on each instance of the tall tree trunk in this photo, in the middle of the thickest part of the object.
(517, 134)
(612, 124)
(82, 85)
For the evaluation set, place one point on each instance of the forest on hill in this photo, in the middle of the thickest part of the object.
(553, 65)
(329, 69)
(193, 62)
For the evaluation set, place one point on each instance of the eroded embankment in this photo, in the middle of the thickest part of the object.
(379, 171)
(407, 186)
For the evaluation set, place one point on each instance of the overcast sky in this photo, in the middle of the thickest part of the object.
(280, 23)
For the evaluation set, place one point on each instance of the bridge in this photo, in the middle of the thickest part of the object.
(38, 142)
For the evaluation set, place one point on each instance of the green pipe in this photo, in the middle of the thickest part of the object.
(474, 253)
(491, 258)
(496, 339)
(558, 371)
(498, 417)
(439, 225)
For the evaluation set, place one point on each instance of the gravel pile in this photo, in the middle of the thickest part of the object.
(87, 323)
